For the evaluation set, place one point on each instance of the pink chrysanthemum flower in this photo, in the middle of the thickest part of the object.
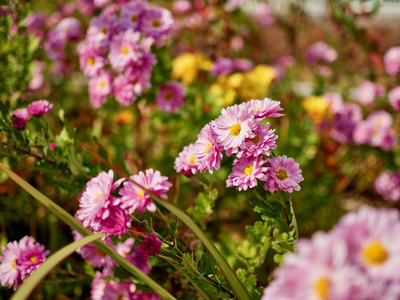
(38, 108)
(263, 140)
(31, 256)
(387, 184)
(124, 90)
(233, 127)
(134, 198)
(264, 108)
(208, 155)
(22, 113)
(318, 270)
(100, 86)
(70, 28)
(245, 173)
(335, 100)
(392, 60)
(103, 289)
(283, 174)
(55, 44)
(96, 200)
(94, 255)
(156, 22)
(170, 97)
(362, 132)
(185, 163)
(140, 295)
(151, 245)
(101, 29)
(372, 238)
(380, 119)
(321, 52)
(131, 15)
(9, 271)
(116, 223)
(367, 91)
(394, 98)
(124, 49)
(91, 59)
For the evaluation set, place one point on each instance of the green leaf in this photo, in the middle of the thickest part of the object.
(270, 208)
(250, 282)
(72, 222)
(204, 204)
(33, 280)
(208, 265)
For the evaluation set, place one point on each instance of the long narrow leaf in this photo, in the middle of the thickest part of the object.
(72, 222)
(237, 286)
(29, 285)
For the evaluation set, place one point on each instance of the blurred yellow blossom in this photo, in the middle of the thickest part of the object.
(316, 107)
(187, 65)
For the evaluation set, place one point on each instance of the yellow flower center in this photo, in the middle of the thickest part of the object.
(282, 174)
(255, 140)
(248, 170)
(156, 23)
(124, 50)
(33, 259)
(374, 253)
(235, 129)
(13, 265)
(321, 287)
(208, 148)
(140, 194)
(257, 109)
(90, 61)
(134, 18)
(104, 30)
(168, 96)
(191, 160)
(102, 84)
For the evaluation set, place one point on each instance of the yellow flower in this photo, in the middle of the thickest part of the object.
(255, 83)
(187, 65)
(316, 107)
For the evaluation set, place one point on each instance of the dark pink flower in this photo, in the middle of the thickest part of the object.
(38, 108)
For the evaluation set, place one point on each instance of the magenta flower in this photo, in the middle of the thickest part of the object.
(283, 174)
(345, 121)
(387, 184)
(362, 132)
(100, 86)
(102, 29)
(19, 260)
(264, 108)
(233, 127)
(22, 113)
(245, 172)
(335, 100)
(242, 65)
(18, 123)
(208, 155)
(222, 66)
(124, 49)
(140, 295)
(394, 98)
(134, 198)
(263, 140)
(38, 108)
(55, 44)
(368, 91)
(157, 22)
(170, 97)
(380, 119)
(103, 289)
(91, 59)
(131, 15)
(124, 90)
(321, 52)
(96, 200)
(185, 163)
(141, 260)
(116, 222)
(392, 60)
(151, 245)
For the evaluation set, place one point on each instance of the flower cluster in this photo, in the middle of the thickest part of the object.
(116, 53)
(387, 184)
(225, 66)
(19, 260)
(103, 212)
(394, 98)
(367, 91)
(36, 109)
(239, 131)
(356, 260)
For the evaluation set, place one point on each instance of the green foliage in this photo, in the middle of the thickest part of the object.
(203, 208)
(250, 283)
